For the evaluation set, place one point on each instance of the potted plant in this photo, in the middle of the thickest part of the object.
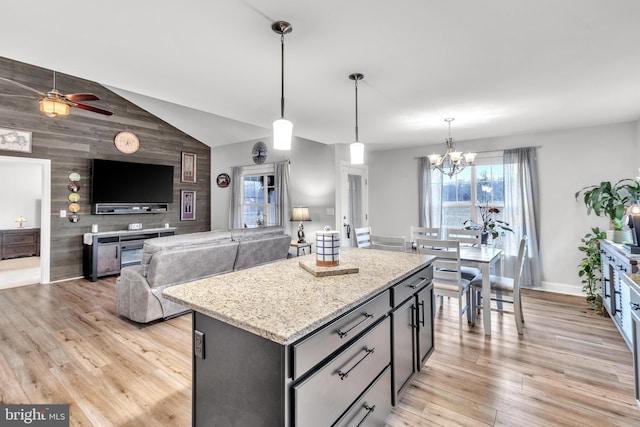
(611, 200)
(590, 268)
(489, 224)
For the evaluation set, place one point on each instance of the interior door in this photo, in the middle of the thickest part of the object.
(354, 201)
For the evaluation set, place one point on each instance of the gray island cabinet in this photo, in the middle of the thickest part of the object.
(277, 346)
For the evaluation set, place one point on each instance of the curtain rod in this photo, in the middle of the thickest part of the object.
(490, 151)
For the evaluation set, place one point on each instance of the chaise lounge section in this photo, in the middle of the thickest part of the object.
(169, 261)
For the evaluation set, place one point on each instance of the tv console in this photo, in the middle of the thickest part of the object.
(129, 208)
(105, 253)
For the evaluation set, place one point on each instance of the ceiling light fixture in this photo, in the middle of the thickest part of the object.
(451, 162)
(356, 148)
(52, 105)
(282, 128)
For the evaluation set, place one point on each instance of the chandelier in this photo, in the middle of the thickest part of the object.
(451, 162)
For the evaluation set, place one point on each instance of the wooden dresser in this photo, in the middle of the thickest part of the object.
(19, 242)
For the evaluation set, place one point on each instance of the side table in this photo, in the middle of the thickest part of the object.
(302, 246)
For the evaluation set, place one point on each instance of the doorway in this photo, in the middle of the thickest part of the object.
(354, 201)
(39, 196)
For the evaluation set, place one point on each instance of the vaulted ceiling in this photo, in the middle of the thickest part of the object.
(499, 67)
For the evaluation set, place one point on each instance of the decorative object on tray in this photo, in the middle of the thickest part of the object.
(223, 180)
(187, 205)
(300, 214)
(188, 167)
(259, 152)
(319, 271)
(15, 140)
(327, 247)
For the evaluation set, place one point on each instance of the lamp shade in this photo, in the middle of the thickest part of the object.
(300, 214)
(282, 134)
(53, 107)
(357, 153)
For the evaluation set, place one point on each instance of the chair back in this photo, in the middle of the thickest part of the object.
(424, 233)
(363, 237)
(388, 243)
(522, 252)
(464, 236)
(446, 267)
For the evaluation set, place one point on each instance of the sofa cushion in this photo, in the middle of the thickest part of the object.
(179, 265)
(261, 250)
(155, 245)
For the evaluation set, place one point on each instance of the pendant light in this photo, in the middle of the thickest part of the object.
(282, 128)
(356, 148)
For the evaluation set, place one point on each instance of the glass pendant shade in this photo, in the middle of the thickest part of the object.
(282, 134)
(357, 153)
(53, 107)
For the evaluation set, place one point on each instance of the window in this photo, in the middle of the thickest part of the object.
(463, 193)
(258, 196)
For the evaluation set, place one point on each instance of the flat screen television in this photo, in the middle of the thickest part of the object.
(116, 182)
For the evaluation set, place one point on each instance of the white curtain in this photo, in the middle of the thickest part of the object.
(522, 203)
(283, 196)
(430, 193)
(235, 204)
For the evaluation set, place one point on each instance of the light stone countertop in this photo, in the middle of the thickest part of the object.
(283, 302)
(634, 281)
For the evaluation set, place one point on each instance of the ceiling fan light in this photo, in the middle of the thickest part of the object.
(53, 107)
(282, 134)
(357, 153)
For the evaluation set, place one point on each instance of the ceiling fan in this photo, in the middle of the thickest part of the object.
(54, 103)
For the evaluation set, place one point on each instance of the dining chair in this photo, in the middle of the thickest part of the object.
(468, 238)
(363, 237)
(502, 287)
(388, 243)
(424, 233)
(447, 280)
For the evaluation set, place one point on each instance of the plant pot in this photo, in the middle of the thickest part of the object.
(621, 236)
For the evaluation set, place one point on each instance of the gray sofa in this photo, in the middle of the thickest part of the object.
(169, 261)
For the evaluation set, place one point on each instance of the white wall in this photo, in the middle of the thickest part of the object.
(568, 160)
(312, 180)
(20, 193)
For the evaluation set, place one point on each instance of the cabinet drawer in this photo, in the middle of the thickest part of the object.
(18, 251)
(373, 407)
(19, 238)
(325, 395)
(313, 349)
(410, 285)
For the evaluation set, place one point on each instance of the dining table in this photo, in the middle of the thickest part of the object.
(485, 258)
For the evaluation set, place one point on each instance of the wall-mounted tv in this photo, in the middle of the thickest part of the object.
(115, 182)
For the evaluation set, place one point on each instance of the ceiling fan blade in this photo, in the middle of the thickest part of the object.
(22, 86)
(18, 96)
(77, 97)
(93, 109)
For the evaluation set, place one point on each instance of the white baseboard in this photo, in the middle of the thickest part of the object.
(561, 288)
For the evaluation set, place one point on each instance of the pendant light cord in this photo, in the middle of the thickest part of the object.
(282, 76)
(356, 81)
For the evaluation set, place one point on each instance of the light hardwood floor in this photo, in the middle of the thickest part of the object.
(63, 343)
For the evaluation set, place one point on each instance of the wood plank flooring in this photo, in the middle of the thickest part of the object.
(63, 343)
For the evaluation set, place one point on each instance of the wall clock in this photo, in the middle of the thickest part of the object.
(127, 142)
(259, 152)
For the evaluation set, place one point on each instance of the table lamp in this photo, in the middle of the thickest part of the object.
(20, 220)
(300, 214)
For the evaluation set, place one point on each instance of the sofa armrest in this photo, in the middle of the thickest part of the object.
(134, 299)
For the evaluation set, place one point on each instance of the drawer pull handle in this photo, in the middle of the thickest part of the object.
(369, 409)
(420, 283)
(344, 375)
(366, 315)
(634, 306)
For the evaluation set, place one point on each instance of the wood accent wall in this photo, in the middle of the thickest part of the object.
(71, 142)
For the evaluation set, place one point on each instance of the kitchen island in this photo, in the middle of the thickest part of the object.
(275, 345)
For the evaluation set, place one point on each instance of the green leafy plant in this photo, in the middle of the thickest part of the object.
(590, 268)
(489, 224)
(611, 200)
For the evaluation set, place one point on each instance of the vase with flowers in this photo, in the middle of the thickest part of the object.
(489, 224)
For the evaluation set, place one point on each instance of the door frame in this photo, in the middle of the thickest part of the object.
(45, 212)
(343, 192)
